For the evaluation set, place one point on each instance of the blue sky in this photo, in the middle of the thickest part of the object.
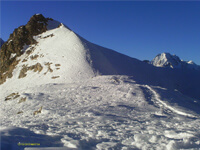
(136, 28)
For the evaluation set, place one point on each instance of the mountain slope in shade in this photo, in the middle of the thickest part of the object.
(173, 61)
(1, 42)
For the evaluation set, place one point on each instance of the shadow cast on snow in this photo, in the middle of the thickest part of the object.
(14, 138)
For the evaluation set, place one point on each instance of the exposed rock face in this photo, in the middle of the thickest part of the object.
(36, 68)
(12, 96)
(8, 73)
(38, 111)
(18, 39)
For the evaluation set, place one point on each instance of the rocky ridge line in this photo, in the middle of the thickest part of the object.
(20, 37)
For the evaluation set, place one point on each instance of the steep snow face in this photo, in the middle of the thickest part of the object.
(59, 56)
(173, 61)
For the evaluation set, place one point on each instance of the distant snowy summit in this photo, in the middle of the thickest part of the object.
(173, 61)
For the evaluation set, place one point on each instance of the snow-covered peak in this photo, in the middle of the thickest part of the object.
(173, 61)
(166, 60)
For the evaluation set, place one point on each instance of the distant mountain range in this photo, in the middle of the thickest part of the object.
(173, 61)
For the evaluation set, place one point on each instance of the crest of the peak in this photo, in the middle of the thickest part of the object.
(24, 35)
(39, 22)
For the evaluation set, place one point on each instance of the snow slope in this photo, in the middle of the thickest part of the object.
(85, 96)
(105, 112)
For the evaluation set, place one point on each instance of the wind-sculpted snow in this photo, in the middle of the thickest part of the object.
(104, 112)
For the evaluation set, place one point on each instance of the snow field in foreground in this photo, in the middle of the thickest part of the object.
(103, 112)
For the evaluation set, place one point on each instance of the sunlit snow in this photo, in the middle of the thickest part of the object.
(89, 97)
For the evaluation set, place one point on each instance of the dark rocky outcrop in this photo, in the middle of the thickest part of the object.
(38, 111)
(21, 36)
(22, 99)
(36, 68)
(12, 96)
